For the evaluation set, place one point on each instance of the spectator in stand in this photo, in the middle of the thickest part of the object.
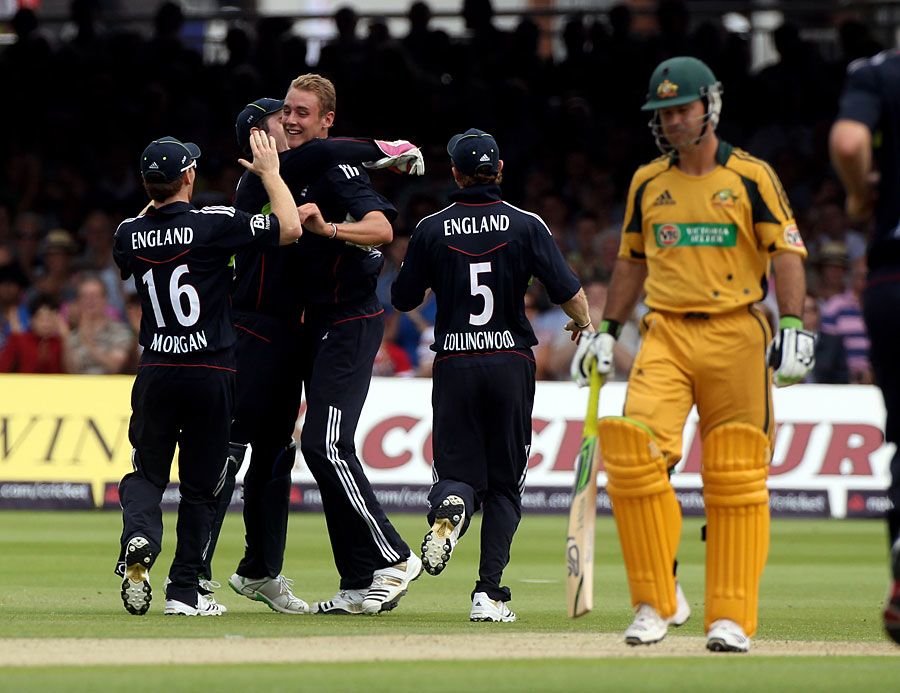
(13, 314)
(392, 361)
(830, 226)
(97, 344)
(842, 316)
(55, 280)
(27, 234)
(39, 349)
(831, 265)
(97, 233)
(831, 359)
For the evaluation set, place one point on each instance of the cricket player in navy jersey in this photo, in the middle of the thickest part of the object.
(478, 256)
(865, 151)
(268, 303)
(346, 221)
(184, 391)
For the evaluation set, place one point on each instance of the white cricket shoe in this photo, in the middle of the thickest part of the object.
(275, 592)
(389, 584)
(204, 608)
(344, 603)
(682, 608)
(136, 592)
(648, 627)
(207, 588)
(727, 636)
(486, 609)
(438, 544)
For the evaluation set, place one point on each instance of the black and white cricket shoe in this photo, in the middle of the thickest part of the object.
(485, 609)
(136, 592)
(390, 584)
(437, 546)
(204, 607)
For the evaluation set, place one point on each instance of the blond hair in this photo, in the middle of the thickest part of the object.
(322, 87)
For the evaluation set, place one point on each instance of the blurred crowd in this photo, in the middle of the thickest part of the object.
(81, 108)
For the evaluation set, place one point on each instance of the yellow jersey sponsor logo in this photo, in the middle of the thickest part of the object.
(724, 198)
(667, 90)
(718, 235)
(792, 236)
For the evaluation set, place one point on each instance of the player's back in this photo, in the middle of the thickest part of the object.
(179, 257)
(478, 255)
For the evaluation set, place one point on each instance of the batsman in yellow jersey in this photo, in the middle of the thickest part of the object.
(704, 225)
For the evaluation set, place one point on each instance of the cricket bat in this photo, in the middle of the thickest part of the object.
(583, 512)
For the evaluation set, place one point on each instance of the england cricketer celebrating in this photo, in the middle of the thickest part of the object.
(478, 256)
(703, 224)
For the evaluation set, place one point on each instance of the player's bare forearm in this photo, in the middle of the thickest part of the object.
(850, 145)
(790, 283)
(625, 288)
(283, 207)
(577, 309)
(373, 229)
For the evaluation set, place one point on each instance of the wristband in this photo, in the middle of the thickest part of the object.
(334, 230)
(787, 322)
(613, 327)
(585, 326)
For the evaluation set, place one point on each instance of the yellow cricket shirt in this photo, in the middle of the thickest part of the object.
(707, 240)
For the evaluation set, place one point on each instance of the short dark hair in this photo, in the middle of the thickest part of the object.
(43, 301)
(465, 181)
(163, 191)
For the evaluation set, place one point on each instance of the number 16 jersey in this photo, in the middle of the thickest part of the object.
(179, 256)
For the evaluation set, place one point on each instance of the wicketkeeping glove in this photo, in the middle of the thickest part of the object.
(595, 346)
(792, 353)
(400, 156)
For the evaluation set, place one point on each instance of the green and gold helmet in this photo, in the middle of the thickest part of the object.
(678, 81)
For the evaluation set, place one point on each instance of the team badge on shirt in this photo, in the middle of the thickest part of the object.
(724, 198)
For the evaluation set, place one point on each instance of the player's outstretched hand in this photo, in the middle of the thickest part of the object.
(400, 156)
(593, 346)
(265, 154)
(792, 353)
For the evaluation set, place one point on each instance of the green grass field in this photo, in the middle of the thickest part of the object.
(824, 582)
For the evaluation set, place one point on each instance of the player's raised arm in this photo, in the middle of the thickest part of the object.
(265, 164)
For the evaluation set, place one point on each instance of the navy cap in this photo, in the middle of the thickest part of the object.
(251, 115)
(166, 159)
(475, 152)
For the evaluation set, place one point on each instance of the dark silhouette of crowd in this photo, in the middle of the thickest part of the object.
(79, 111)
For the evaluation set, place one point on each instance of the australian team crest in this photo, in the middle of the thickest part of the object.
(667, 90)
(724, 198)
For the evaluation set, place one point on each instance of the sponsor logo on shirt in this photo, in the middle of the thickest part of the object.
(718, 235)
(665, 198)
(792, 236)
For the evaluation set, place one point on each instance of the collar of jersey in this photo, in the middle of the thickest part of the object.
(171, 208)
(476, 194)
(723, 153)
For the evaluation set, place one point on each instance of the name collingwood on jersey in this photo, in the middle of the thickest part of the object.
(180, 235)
(470, 225)
(480, 340)
(179, 343)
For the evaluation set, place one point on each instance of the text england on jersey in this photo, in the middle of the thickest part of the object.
(470, 225)
(180, 235)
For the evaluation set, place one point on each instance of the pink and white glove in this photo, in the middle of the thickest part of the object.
(400, 156)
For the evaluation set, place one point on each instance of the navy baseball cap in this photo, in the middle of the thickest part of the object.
(475, 152)
(251, 115)
(166, 159)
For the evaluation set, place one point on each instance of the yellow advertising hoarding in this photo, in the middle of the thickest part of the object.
(64, 428)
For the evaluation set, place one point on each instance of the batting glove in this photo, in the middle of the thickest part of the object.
(400, 156)
(595, 347)
(792, 353)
